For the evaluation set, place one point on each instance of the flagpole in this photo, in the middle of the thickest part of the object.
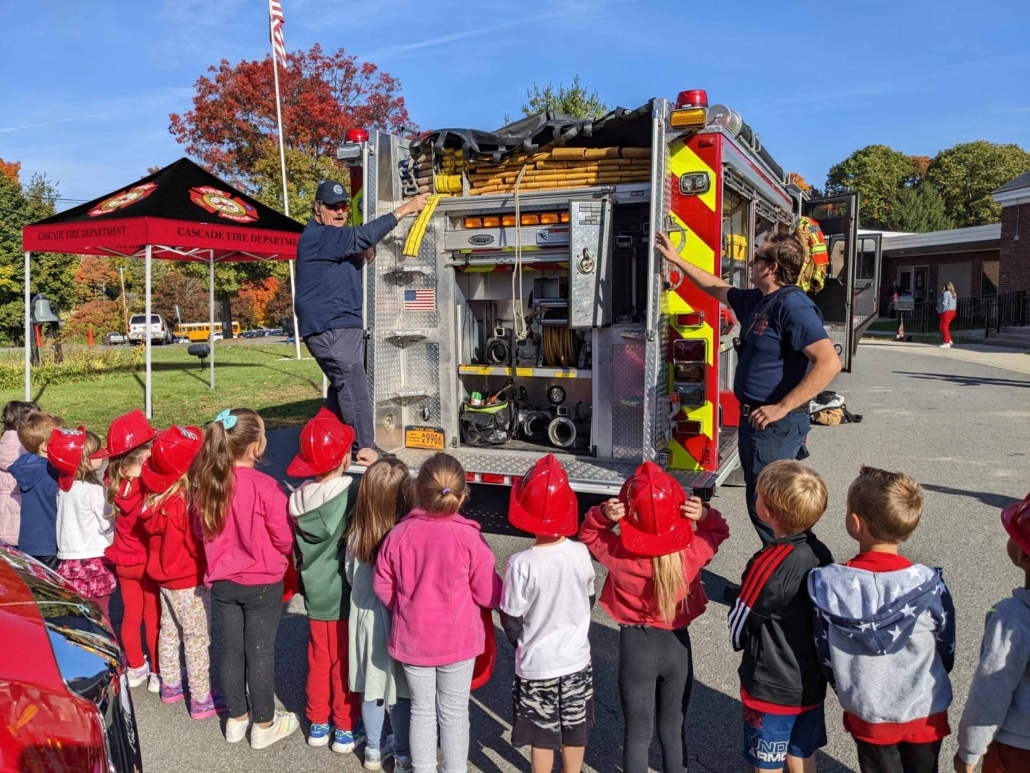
(286, 197)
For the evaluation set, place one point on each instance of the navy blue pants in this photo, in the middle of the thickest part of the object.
(341, 356)
(759, 448)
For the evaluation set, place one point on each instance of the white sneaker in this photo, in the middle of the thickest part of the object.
(283, 723)
(236, 729)
(153, 683)
(944, 346)
(374, 757)
(137, 676)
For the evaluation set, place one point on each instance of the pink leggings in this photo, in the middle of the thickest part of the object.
(142, 605)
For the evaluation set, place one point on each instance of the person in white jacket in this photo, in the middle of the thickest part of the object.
(85, 528)
(10, 449)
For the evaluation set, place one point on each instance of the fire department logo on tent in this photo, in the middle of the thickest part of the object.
(123, 199)
(225, 204)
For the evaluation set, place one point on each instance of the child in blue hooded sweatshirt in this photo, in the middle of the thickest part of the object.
(37, 481)
(885, 631)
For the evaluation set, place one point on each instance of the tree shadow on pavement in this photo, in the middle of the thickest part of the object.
(990, 499)
(967, 380)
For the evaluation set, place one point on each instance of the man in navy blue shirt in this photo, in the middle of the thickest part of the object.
(329, 300)
(784, 360)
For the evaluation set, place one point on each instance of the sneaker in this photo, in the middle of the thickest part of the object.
(374, 757)
(154, 683)
(345, 741)
(171, 693)
(236, 729)
(402, 764)
(283, 723)
(211, 706)
(137, 676)
(318, 735)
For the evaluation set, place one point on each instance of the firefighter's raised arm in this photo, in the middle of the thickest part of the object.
(709, 283)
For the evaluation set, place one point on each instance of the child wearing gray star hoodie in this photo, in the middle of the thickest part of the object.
(885, 631)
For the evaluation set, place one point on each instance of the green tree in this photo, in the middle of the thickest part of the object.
(575, 101)
(966, 174)
(303, 173)
(918, 209)
(877, 173)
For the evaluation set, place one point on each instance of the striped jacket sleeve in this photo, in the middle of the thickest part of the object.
(770, 583)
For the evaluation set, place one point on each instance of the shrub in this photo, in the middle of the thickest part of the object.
(79, 365)
(103, 316)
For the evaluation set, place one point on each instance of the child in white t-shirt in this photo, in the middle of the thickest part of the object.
(545, 609)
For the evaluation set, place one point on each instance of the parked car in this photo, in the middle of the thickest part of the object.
(160, 333)
(256, 333)
(181, 339)
(63, 683)
(113, 339)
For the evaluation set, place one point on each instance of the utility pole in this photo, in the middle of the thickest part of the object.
(125, 308)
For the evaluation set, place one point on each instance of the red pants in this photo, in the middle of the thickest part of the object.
(142, 605)
(947, 317)
(328, 663)
(1002, 758)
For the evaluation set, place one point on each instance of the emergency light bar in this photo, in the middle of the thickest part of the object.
(351, 147)
(508, 221)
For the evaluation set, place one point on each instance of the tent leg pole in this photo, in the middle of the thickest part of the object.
(293, 298)
(149, 397)
(28, 331)
(211, 309)
(325, 387)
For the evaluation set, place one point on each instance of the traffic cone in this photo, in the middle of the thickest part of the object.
(89, 336)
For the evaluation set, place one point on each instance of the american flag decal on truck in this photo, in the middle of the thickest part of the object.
(420, 300)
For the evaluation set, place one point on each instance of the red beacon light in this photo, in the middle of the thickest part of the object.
(355, 135)
(692, 98)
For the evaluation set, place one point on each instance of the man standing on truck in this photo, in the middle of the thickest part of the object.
(329, 303)
(784, 356)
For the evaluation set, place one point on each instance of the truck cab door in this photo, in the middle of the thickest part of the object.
(838, 218)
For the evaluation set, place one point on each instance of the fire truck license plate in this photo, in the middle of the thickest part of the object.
(423, 437)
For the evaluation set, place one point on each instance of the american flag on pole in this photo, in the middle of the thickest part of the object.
(420, 300)
(276, 22)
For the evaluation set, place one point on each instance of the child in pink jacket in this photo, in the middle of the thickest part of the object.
(10, 449)
(435, 571)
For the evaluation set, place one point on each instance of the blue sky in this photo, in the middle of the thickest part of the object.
(86, 86)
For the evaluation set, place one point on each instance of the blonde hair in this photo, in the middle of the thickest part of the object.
(116, 473)
(950, 288)
(794, 494)
(385, 496)
(213, 472)
(90, 445)
(890, 503)
(36, 428)
(670, 583)
(180, 488)
(440, 487)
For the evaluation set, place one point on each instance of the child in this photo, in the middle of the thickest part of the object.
(782, 685)
(434, 572)
(384, 498)
(653, 592)
(242, 515)
(128, 445)
(37, 482)
(84, 529)
(885, 629)
(996, 721)
(319, 509)
(176, 563)
(10, 449)
(548, 594)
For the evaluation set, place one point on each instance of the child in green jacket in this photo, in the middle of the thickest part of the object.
(320, 508)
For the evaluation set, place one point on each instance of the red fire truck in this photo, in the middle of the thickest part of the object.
(517, 318)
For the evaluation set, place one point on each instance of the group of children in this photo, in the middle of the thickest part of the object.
(395, 583)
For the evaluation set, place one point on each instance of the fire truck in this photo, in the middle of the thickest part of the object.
(527, 311)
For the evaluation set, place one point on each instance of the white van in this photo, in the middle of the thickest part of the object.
(160, 333)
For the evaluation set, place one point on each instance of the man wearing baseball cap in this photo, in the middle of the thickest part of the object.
(328, 303)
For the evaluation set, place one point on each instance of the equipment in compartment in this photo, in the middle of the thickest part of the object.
(629, 280)
(561, 168)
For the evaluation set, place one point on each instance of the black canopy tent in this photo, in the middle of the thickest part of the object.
(181, 212)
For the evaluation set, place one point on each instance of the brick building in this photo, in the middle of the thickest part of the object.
(1014, 245)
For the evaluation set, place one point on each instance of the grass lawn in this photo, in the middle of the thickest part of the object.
(286, 392)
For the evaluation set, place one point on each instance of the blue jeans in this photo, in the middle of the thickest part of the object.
(373, 714)
(759, 448)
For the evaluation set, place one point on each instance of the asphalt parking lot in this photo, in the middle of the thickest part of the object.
(957, 427)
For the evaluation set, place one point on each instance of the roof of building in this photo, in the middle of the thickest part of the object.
(1023, 181)
(952, 240)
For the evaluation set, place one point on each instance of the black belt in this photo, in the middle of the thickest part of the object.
(746, 409)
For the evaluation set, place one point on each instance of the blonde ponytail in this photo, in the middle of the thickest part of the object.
(670, 583)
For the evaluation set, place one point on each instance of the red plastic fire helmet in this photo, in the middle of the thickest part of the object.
(324, 442)
(653, 525)
(483, 668)
(127, 432)
(173, 453)
(1016, 520)
(543, 503)
(64, 451)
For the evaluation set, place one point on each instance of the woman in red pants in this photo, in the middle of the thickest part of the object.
(947, 305)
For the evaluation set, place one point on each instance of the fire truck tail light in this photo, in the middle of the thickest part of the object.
(564, 217)
(355, 135)
(549, 218)
(693, 319)
(691, 428)
(493, 477)
(507, 220)
(491, 222)
(530, 220)
(473, 222)
(692, 116)
(692, 98)
(690, 350)
(470, 477)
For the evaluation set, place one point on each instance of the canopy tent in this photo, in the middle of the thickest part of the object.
(179, 213)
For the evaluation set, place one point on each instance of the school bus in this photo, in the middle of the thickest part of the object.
(201, 331)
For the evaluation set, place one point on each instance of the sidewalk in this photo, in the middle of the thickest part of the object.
(1015, 360)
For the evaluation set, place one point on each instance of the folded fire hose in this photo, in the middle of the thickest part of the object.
(418, 230)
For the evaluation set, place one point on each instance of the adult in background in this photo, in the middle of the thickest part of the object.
(784, 359)
(947, 306)
(329, 299)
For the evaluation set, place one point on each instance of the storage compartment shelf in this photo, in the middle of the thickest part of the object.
(523, 371)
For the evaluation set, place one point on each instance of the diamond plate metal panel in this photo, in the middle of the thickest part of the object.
(422, 371)
(838, 334)
(628, 425)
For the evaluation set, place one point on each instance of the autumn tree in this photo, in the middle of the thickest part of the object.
(575, 101)
(279, 309)
(876, 173)
(96, 278)
(794, 178)
(100, 315)
(966, 174)
(11, 170)
(250, 306)
(188, 291)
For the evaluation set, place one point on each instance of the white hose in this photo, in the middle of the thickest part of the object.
(518, 317)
